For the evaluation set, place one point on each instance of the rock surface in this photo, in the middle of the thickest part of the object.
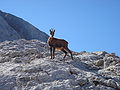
(14, 28)
(26, 65)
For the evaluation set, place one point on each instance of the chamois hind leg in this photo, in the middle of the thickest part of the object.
(69, 52)
(64, 52)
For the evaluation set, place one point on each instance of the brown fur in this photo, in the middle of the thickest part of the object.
(57, 44)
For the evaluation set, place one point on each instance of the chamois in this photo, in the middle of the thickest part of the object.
(57, 44)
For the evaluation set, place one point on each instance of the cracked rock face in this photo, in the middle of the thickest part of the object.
(14, 28)
(26, 65)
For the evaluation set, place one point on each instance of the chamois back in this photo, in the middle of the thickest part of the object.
(60, 43)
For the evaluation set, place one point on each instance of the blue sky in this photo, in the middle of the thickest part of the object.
(88, 25)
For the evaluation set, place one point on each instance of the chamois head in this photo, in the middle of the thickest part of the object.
(52, 31)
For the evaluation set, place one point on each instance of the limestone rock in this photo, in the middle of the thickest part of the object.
(99, 62)
(26, 65)
(14, 28)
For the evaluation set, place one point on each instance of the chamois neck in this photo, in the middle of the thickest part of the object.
(51, 35)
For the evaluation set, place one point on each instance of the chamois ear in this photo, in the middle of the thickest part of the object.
(50, 30)
(53, 30)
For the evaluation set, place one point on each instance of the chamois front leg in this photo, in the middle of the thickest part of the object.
(51, 52)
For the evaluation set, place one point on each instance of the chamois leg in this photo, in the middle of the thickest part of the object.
(53, 52)
(64, 52)
(70, 52)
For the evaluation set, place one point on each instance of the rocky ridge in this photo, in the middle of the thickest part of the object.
(26, 65)
(14, 28)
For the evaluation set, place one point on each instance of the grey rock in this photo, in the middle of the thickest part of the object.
(112, 83)
(7, 82)
(99, 62)
(82, 81)
(4, 59)
(26, 65)
(6, 31)
(103, 53)
(14, 28)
